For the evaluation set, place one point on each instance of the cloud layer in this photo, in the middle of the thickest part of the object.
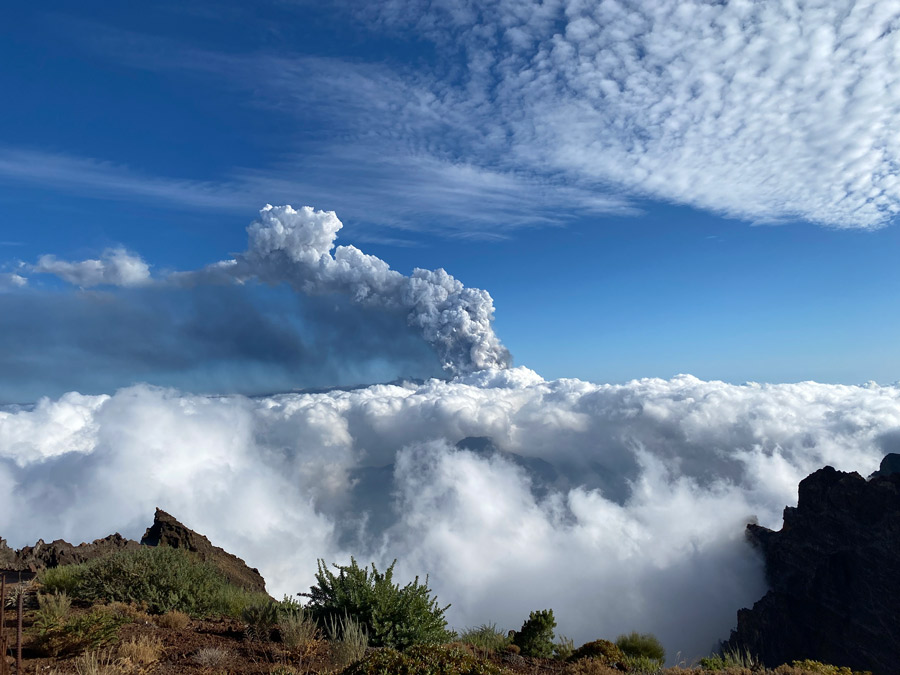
(620, 506)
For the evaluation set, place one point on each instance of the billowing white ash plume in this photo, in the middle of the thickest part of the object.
(296, 246)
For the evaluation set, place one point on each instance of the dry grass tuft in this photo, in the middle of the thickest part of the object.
(211, 657)
(127, 611)
(175, 620)
(96, 663)
(142, 651)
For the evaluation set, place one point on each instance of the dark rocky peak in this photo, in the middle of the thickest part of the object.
(889, 465)
(167, 531)
(834, 576)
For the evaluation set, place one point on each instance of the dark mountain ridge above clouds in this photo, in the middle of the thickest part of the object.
(834, 575)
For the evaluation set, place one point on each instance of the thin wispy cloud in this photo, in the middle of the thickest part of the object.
(106, 179)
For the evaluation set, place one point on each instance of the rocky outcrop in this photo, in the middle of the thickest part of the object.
(834, 576)
(59, 552)
(165, 531)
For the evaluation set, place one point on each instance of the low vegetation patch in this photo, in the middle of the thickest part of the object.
(602, 651)
(161, 579)
(486, 637)
(422, 660)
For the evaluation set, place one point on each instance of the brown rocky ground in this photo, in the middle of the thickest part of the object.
(203, 647)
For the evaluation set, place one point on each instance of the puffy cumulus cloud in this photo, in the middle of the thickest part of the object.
(116, 267)
(620, 506)
(765, 111)
(294, 246)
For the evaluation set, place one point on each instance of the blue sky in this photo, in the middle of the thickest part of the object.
(644, 191)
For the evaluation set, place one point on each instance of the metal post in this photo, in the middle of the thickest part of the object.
(19, 614)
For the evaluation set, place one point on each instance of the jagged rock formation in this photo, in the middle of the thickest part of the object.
(834, 576)
(59, 552)
(165, 531)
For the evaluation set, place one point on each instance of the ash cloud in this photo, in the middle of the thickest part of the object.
(620, 506)
(231, 327)
(295, 246)
(215, 339)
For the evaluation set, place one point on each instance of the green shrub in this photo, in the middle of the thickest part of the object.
(602, 651)
(392, 616)
(348, 640)
(486, 636)
(53, 608)
(563, 648)
(642, 664)
(161, 579)
(729, 658)
(62, 579)
(422, 660)
(535, 638)
(72, 635)
(260, 618)
(641, 644)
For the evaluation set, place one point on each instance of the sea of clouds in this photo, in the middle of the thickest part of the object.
(621, 507)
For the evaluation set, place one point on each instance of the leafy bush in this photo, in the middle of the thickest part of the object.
(392, 616)
(641, 644)
(422, 660)
(603, 651)
(159, 578)
(73, 635)
(486, 637)
(535, 638)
